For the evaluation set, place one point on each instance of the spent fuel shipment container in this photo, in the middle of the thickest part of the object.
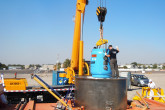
(100, 66)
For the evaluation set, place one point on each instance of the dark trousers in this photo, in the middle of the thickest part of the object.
(114, 68)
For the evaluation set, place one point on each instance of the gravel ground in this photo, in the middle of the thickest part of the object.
(157, 77)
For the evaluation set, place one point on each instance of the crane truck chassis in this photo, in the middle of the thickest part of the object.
(17, 89)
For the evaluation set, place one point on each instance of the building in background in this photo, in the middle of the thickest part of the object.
(129, 66)
(27, 66)
(47, 67)
(15, 67)
(160, 66)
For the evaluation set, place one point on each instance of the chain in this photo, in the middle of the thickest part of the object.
(101, 31)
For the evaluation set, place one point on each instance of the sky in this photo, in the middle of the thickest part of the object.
(41, 31)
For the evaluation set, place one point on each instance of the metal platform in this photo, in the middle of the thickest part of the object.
(101, 93)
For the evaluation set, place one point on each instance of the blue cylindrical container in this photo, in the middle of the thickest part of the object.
(100, 67)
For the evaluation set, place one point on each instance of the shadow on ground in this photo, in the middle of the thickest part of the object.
(137, 88)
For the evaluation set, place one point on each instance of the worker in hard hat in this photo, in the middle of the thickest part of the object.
(111, 54)
(151, 85)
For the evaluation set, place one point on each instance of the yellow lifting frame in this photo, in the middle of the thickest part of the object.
(101, 42)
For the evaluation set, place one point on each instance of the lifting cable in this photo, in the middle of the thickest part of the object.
(101, 13)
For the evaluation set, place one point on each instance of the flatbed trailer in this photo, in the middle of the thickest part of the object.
(38, 94)
(135, 105)
(17, 89)
(38, 88)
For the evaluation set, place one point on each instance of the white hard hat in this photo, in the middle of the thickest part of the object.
(150, 80)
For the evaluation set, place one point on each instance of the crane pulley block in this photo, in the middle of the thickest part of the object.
(101, 12)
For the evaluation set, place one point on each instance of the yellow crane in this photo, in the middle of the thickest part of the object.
(77, 61)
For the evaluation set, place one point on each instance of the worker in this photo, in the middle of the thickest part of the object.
(151, 86)
(15, 74)
(111, 54)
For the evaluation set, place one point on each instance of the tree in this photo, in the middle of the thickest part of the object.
(163, 67)
(144, 67)
(134, 64)
(155, 66)
(31, 65)
(67, 63)
(2, 66)
(125, 67)
(38, 66)
(57, 66)
(139, 66)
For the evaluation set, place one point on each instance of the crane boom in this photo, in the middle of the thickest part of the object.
(77, 62)
(77, 59)
(80, 9)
